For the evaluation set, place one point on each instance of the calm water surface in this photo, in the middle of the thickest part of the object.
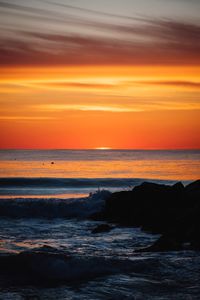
(174, 165)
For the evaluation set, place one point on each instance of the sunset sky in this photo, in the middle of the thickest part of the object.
(111, 73)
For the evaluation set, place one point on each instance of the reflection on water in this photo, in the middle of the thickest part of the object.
(161, 276)
(175, 165)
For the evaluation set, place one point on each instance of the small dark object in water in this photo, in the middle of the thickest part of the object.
(52, 162)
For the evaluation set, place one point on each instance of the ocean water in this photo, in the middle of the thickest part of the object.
(45, 200)
(39, 173)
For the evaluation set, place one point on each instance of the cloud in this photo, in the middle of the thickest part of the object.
(146, 41)
(88, 107)
(24, 118)
(90, 11)
(132, 104)
(62, 84)
(178, 83)
(33, 12)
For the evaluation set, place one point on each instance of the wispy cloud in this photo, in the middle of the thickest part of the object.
(81, 85)
(177, 83)
(87, 107)
(25, 118)
(136, 105)
(98, 84)
(146, 41)
(90, 11)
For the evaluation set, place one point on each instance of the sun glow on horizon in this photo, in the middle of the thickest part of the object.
(98, 76)
(102, 148)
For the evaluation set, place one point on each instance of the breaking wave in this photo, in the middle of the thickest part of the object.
(50, 266)
(40, 197)
(47, 265)
(53, 208)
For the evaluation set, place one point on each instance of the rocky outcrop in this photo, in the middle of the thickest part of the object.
(173, 211)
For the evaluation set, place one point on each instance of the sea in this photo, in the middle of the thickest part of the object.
(46, 199)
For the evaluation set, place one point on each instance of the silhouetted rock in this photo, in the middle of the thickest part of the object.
(193, 189)
(173, 211)
(186, 232)
(149, 206)
(164, 243)
(102, 228)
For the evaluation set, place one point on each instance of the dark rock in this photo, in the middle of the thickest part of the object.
(186, 232)
(164, 243)
(173, 211)
(154, 207)
(39, 266)
(178, 186)
(193, 189)
(102, 228)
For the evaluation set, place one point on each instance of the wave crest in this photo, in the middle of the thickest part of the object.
(48, 265)
(53, 208)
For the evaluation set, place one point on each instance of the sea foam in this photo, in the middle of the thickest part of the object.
(53, 208)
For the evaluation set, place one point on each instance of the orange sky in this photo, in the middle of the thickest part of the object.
(88, 77)
(89, 107)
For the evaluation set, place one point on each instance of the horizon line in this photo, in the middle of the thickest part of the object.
(105, 149)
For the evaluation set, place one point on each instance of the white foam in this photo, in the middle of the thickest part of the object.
(54, 208)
